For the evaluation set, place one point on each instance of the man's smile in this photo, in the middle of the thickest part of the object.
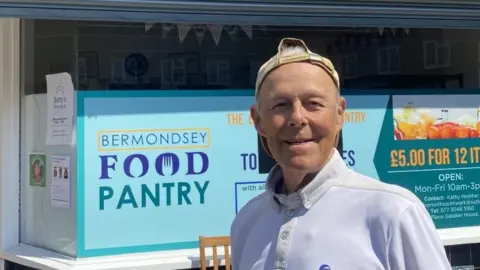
(298, 141)
(302, 140)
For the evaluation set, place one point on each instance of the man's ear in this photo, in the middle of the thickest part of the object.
(256, 120)
(342, 104)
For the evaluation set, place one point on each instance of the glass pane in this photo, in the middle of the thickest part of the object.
(103, 56)
(49, 47)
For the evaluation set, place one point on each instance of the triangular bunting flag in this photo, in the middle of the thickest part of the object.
(216, 31)
(248, 30)
(149, 25)
(183, 29)
(380, 31)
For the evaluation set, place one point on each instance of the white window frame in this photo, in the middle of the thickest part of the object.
(10, 91)
(390, 70)
(345, 63)
(436, 45)
(169, 67)
(213, 67)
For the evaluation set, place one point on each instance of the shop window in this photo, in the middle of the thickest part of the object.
(350, 66)
(436, 54)
(95, 54)
(388, 61)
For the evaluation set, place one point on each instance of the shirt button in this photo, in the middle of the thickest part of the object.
(307, 204)
(290, 213)
(284, 235)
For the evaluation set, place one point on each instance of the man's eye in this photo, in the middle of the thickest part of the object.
(280, 105)
(315, 103)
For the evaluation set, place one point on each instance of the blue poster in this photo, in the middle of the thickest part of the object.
(155, 168)
(361, 131)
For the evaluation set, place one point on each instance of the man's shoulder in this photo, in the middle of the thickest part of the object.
(378, 189)
(251, 210)
(382, 203)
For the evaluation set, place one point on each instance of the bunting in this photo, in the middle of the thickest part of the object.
(380, 30)
(183, 29)
(216, 31)
(248, 30)
(201, 29)
(148, 26)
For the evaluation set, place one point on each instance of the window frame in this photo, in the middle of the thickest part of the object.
(215, 64)
(437, 45)
(389, 70)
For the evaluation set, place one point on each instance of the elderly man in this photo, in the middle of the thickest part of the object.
(316, 212)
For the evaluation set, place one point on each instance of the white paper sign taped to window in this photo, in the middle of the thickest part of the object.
(60, 97)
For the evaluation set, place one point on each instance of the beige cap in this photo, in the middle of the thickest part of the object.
(284, 57)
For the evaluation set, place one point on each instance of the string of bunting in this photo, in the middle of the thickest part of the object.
(381, 30)
(200, 30)
(344, 42)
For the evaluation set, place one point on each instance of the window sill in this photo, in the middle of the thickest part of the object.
(167, 260)
(48, 260)
(459, 236)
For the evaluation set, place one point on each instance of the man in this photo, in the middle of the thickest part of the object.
(317, 213)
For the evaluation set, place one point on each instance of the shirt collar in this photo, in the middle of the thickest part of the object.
(311, 193)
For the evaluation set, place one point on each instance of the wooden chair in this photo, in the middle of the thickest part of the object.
(214, 242)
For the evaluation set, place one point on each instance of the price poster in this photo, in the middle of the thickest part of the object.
(430, 144)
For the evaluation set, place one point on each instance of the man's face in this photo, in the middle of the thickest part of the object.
(299, 113)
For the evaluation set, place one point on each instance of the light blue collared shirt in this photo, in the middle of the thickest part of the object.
(341, 220)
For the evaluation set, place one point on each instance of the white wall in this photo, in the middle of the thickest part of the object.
(9, 126)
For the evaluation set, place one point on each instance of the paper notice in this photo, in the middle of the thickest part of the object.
(61, 175)
(60, 95)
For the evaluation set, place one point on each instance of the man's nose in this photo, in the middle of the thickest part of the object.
(298, 116)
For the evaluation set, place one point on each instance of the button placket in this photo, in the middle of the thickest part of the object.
(285, 237)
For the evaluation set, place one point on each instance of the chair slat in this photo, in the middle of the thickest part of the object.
(215, 258)
(214, 243)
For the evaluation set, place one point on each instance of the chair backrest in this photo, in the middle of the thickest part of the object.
(214, 242)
